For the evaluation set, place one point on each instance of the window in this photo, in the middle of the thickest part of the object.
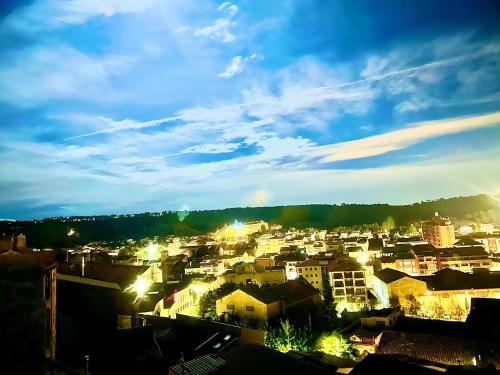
(230, 307)
(250, 308)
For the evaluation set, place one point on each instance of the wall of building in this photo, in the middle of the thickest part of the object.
(271, 277)
(240, 304)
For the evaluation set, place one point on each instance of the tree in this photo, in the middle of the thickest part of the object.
(327, 290)
(208, 301)
(414, 306)
(334, 344)
(285, 338)
(388, 224)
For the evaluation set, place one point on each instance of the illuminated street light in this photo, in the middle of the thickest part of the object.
(140, 287)
(152, 252)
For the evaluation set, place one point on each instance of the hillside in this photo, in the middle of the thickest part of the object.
(52, 232)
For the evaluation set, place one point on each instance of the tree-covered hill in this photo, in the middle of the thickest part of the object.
(53, 232)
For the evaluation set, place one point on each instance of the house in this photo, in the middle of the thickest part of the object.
(290, 261)
(392, 287)
(445, 295)
(365, 341)
(245, 275)
(380, 319)
(264, 304)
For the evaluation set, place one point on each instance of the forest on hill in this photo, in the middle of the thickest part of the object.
(53, 232)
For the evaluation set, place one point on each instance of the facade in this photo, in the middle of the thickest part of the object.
(270, 244)
(273, 276)
(439, 232)
(28, 311)
(384, 318)
(491, 242)
(348, 282)
(264, 304)
(312, 271)
(248, 306)
(445, 295)
(238, 232)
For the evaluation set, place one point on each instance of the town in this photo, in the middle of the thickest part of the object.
(321, 301)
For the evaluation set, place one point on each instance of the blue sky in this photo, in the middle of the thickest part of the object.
(125, 106)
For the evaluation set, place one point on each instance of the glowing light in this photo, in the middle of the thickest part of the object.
(363, 258)
(71, 232)
(140, 287)
(152, 251)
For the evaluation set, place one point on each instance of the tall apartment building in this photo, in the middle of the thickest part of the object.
(348, 282)
(439, 231)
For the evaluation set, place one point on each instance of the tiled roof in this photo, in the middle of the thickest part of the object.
(440, 349)
(290, 292)
(123, 275)
(388, 275)
(449, 279)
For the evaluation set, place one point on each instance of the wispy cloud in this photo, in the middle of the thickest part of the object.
(399, 139)
(220, 30)
(236, 66)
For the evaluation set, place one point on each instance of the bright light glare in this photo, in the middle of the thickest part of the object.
(71, 232)
(140, 287)
(237, 224)
(152, 251)
(363, 258)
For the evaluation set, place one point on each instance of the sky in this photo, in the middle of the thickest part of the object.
(125, 106)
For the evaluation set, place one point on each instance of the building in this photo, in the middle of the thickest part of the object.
(290, 261)
(270, 244)
(365, 341)
(462, 258)
(104, 295)
(439, 231)
(212, 267)
(380, 319)
(263, 304)
(348, 282)
(445, 295)
(27, 311)
(313, 271)
(264, 261)
(490, 242)
(247, 275)
(393, 288)
(239, 232)
(251, 359)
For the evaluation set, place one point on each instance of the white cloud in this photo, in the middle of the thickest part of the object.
(79, 11)
(41, 74)
(236, 66)
(399, 139)
(220, 29)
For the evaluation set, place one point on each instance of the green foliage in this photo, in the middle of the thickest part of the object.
(53, 232)
(388, 224)
(207, 304)
(327, 291)
(334, 344)
(415, 307)
(286, 337)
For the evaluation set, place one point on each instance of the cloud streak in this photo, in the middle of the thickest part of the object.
(403, 138)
